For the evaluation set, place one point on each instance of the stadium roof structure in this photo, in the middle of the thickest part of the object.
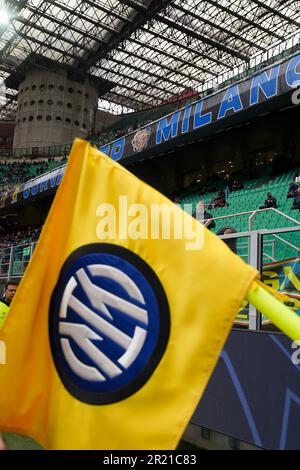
(144, 52)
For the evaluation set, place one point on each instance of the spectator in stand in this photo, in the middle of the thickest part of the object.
(19, 237)
(293, 187)
(269, 202)
(297, 177)
(203, 216)
(230, 242)
(219, 201)
(19, 172)
(296, 203)
(236, 186)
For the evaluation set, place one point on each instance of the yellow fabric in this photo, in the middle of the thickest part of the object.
(204, 289)
(3, 313)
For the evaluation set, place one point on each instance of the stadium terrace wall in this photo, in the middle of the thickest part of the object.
(187, 124)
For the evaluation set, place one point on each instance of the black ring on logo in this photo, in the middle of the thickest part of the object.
(103, 398)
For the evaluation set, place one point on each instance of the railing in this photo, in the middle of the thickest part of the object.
(273, 244)
(273, 54)
(257, 62)
(37, 152)
(285, 242)
(14, 261)
(252, 216)
(245, 245)
(256, 244)
(223, 81)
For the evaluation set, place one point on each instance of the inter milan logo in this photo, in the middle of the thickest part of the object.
(141, 139)
(109, 323)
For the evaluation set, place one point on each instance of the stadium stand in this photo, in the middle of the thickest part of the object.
(18, 236)
(18, 172)
(245, 200)
(249, 199)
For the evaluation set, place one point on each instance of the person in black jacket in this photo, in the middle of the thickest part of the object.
(202, 216)
(293, 187)
(269, 202)
(230, 242)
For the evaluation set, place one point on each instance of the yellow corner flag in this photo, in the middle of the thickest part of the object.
(119, 320)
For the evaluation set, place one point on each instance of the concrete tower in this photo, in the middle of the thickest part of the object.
(53, 109)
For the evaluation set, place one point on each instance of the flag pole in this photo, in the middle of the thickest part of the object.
(283, 317)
